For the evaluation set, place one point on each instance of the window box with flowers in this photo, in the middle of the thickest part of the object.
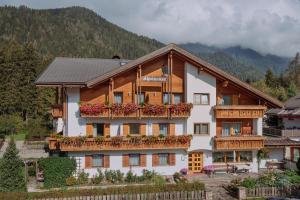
(154, 110)
(181, 109)
(93, 110)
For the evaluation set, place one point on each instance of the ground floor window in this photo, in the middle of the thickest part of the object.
(163, 159)
(134, 159)
(295, 153)
(97, 160)
(244, 156)
(223, 156)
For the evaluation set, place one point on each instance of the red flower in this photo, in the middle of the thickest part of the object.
(155, 110)
(117, 108)
(181, 108)
(92, 109)
(130, 108)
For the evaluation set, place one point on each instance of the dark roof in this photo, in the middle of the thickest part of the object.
(77, 70)
(75, 73)
(273, 111)
(283, 141)
(292, 103)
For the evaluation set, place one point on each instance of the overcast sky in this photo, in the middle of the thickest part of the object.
(269, 26)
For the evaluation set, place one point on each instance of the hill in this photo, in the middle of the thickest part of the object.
(73, 31)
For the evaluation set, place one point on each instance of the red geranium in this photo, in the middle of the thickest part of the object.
(181, 108)
(92, 109)
(117, 108)
(130, 108)
(155, 110)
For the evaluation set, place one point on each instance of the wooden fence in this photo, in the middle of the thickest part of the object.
(179, 195)
(287, 191)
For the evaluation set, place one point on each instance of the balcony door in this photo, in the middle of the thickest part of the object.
(231, 128)
(98, 130)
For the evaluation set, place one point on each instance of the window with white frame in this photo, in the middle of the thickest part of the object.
(201, 128)
(201, 99)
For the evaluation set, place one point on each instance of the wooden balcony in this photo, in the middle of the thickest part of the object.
(239, 111)
(249, 142)
(119, 143)
(57, 111)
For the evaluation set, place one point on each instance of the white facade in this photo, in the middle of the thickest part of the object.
(291, 123)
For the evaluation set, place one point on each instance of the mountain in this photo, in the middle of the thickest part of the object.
(72, 31)
(245, 57)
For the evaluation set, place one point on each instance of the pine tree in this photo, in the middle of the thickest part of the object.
(12, 177)
(269, 78)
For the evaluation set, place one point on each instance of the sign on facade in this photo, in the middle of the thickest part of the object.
(154, 78)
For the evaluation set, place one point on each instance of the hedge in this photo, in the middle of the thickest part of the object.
(111, 190)
(56, 170)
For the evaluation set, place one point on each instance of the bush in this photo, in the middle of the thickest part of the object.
(83, 178)
(12, 177)
(36, 130)
(31, 170)
(113, 176)
(70, 181)
(130, 177)
(147, 175)
(56, 170)
(97, 179)
(249, 183)
(159, 180)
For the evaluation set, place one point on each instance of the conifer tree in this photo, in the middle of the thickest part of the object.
(12, 177)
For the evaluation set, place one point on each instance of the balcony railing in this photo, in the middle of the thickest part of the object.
(239, 111)
(281, 132)
(182, 110)
(119, 143)
(248, 142)
(57, 111)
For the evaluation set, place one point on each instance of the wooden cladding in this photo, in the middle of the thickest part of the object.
(239, 142)
(57, 111)
(239, 111)
(89, 129)
(88, 161)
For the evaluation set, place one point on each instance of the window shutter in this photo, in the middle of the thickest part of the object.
(89, 129)
(172, 159)
(155, 129)
(154, 160)
(235, 100)
(125, 160)
(171, 129)
(88, 161)
(143, 160)
(106, 130)
(106, 161)
(125, 129)
(142, 129)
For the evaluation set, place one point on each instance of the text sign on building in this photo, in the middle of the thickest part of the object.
(154, 78)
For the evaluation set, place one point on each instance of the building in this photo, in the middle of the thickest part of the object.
(165, 111)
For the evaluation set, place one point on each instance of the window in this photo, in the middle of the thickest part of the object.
(295, 154)
(226, 100)
(177, 98)
(98, 160)
(166, 98)
(98, 130)
(229, 128)
(163, 159)
(244, 156)
(201, 99)
(163, 129)
(223, 156)
(165, 70)
(140, 97)
(134, 129)
(118, 97)
(134, 159)
(201, 128)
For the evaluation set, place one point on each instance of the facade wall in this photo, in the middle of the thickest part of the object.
(291, 123)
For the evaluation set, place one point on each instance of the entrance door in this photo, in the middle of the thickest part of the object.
(196, 162)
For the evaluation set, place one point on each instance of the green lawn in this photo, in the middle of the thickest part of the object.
(18, 137)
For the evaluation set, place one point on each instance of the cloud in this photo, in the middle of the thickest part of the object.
(269, 26)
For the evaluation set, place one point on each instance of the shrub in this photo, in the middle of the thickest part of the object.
(56, 170)
(97, 179)
(113, 176)
(130, 177)
(12, 170)
(36, 130)
(70, 181)
(179, 178)
(31, 170)
(83, 178)
(147, 175)
(159, 180)
(248, 182)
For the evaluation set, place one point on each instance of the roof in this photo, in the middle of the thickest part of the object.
(77, 70)
(293, 103)
(74, 71)
(291, 108)
(283, 141)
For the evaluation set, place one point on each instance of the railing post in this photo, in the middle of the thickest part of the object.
(208, 195)
(242, 193)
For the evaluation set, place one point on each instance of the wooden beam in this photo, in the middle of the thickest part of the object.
(171, 79)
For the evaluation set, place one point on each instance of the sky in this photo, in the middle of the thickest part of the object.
(268, 26)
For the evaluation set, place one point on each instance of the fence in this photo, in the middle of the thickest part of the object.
(287, 191)
(175, 195)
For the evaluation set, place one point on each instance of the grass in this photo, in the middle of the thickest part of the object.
(18, 137)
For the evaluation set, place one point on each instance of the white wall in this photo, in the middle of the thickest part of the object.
(291, 123)
(275, 154)
(116, 162)
(257, 126)
(58, 125)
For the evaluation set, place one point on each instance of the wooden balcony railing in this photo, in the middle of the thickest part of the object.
(281, 132)
(249, 142)
(156, 111)
(57, 111)
(239, 111)
(119, 143)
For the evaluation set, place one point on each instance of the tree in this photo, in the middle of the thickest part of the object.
(12, 177)
(291, 90)
(269, 78)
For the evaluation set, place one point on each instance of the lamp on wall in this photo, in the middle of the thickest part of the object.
(129, 93)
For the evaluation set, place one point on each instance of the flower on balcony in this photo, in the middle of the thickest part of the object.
(117, 108)
(92, 109)
(135, 140)
(154, 110)
(130, 108)
(117, 140)
(181, 108)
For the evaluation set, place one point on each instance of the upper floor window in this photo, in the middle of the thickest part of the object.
(201, 128)
(231, 128)
(134, 159)
(177, 98)
(98, 130)
(201, 99)
(226, 100)
(166, 98)
(165, 70)
(163, 129)
(140, 97)
(134, 129)
(118, 97)
(97, 160)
